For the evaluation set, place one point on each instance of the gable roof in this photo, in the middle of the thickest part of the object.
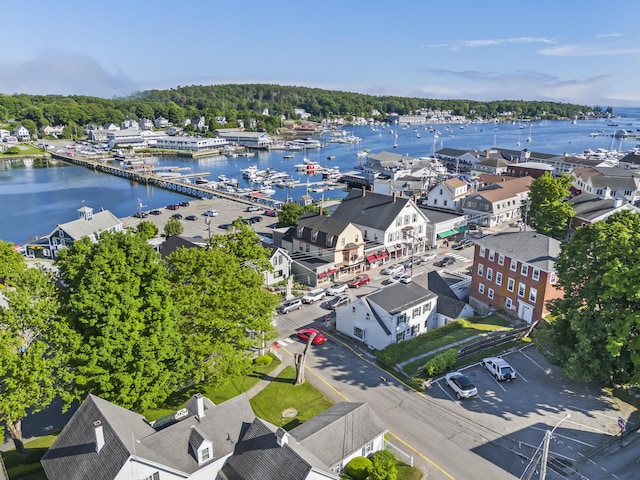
(325, 226)
(399, 297)
(448, 303)
(529, 247)
(173, 243)
(588, 206)
(100, 222)
(505, 190)
(373, 210)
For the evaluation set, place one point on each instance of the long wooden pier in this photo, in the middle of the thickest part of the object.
(147, 178)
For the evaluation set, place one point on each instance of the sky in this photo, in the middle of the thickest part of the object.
(585, 52)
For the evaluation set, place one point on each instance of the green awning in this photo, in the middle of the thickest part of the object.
(448, 233)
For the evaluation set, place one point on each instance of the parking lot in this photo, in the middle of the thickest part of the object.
(517, 413)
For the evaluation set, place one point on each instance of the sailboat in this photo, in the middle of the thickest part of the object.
(529, 137)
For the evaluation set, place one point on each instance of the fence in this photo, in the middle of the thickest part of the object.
(399, 454)
(494, 339)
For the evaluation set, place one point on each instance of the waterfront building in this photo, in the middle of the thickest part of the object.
(241, 138)
(194, 144)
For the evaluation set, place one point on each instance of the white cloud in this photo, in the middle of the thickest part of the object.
(576, 50)
(497, 41)
(609, 35)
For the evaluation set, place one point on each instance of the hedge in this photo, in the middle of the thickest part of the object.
(263, 360)
(358, 468)
(441, 363)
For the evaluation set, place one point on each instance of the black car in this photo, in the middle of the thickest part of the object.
(184, 204)
(156, 212)
(192, 218)
(177, 215)
(141, 214)
(173, 207)
(444, 262)
(256, 219)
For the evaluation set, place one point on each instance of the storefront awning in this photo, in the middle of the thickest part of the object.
(327, 273)
(448, 233)
(372, 258)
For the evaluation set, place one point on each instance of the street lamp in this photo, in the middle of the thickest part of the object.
(529, 471)
(407, 231)
(207, 220)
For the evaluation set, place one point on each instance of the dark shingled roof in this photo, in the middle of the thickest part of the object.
(529, 247)
(588, 206)
(370, 209)
(399, 296)
(448, 303)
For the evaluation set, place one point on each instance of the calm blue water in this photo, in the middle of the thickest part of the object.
(34, 198)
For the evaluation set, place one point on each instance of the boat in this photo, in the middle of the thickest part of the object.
(288, 155)
(331, 157)
(529, 137)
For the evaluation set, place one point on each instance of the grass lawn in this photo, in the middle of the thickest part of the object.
(233, 388)
(282, 394)
(27, 466)
(406, 472)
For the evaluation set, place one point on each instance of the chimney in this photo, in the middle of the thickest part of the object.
(199, 405)
(394, 197)
(97, 428)
(364, 190)
(282, 437)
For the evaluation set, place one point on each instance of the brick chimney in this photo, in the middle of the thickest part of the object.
(99, 433)
(364, 190)
(393, 196)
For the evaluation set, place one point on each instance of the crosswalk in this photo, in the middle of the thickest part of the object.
(283, 342)
(459, 257)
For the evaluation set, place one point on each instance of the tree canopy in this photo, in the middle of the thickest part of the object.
(173, 227)
(594, 333)
(117, 299)
(549, 212)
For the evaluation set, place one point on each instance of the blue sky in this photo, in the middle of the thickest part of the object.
(585, 52)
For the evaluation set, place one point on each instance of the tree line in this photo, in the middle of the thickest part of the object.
(252, 101)
(117, 320)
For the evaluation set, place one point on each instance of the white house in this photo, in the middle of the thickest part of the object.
(389, 315)
(447, 195)
(281, 262)
(22, 134)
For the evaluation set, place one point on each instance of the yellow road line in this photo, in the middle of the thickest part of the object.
(428, 460)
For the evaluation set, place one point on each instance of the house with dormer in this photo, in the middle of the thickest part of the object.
(608, 182)
(103, 441)
(392, 225)
(89, 224)
(589, 208)
(324, 249)
(389, 315)
(497, 203)
(21, 133)
(447, 195)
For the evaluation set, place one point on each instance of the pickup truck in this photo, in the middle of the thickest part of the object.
(499, 368)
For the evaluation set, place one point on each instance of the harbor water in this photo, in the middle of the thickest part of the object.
(36, 195)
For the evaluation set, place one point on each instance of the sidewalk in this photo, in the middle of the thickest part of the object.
(266, 380)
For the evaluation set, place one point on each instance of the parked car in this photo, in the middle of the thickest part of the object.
(337, 288)
(338, 301)
(392, 270)
(141, 214)
(293, 304)
(445, 262)
(173, 207)
(392, 279)
(184, 204)
(270, 213)
(359, 281)
(462, 244)
(305, 333)
(499, 368)
(313, 295)
(192, 218)
(156, 212)
(211, 213)
(256, 219)
(225, 226)
(428, 257)
(177, 215)
(253, 208)
(406, 278)
(461, 385)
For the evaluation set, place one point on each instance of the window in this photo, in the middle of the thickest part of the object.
(445, 203)
(399, 222)
(490, 293)
(416, 311)
(426, 308)
(358, 332)
(435, 201)
(514, 265)
(498, 278)
(153, 476)
(205, 454)
(553, 278)
(367, 449)
(535, 274)
(402, 319)
(500, 259)
(489, 273)
(491, 255)
(414, 218)
(307, 247)
(508, 303)
(482, 250)
(480, 269)
(533, 294)
(521, 287)
(314, 236)
(481, 288)
(343, 241)
(524, 270)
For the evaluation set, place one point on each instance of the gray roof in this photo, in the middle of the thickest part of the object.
(631, 158)
(400, 296)
(448, 303)
(325, 226)
(529, 247)
(494, 162)
(126, 433)
(588, 206)
(373, 210)
(100, 222)
(614, 183)
(339, 431)
(440, 216)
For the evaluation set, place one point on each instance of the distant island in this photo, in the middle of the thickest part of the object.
(259, 107)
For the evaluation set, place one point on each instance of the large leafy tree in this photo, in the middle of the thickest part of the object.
(116, 297)
(33, 348)
(549, 213)
(173, 227)
(595, 331)
(225, 312)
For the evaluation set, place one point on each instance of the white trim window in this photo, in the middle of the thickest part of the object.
(491, 255)
(498, 278)
(553, 278)
(481, 289)
(489, 273)
(533, 294)
(490, 293)
(500, 259)
(511, 283)
(508, 303)
(481, 252)
(480, 269)
(535, 274)
(359, 332)
(524, 270)
(521, 289)
(514, 265)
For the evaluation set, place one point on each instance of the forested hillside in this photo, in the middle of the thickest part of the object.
(250, 101)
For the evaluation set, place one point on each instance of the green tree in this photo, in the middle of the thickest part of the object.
(358, 468)
(34, 346)
(383, 466)
(225, 312)
(11, 262)
(289, 214)
(594, 333)
(173, 227)
(549, 213)
(116, 298)
(147, 229)
(12, 151)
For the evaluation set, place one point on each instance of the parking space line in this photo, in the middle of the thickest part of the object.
(495, 380)
(564, 437)
(445, 392)
(520, 375)
(591, 412)
(545, 370)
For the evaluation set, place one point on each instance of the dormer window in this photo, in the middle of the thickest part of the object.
(314, 236)
(300, 231)
(200, 447)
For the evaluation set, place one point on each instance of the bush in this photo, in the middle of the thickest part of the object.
(263, 360)
(441, 363)
(358, 468)
(383, 466)
(12, 151)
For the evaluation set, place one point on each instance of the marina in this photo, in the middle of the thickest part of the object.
(43, 193)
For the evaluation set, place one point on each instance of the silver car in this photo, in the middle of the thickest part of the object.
(337, 288)
(461, 385)
(293, 304)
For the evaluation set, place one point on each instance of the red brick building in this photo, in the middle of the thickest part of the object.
(515, 272)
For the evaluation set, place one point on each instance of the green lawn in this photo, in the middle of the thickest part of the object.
(282, 394)
(26, 466)
(233, 388)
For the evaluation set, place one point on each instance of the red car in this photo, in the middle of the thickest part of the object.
(359, 281)
(271, 213)
(305, 333)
